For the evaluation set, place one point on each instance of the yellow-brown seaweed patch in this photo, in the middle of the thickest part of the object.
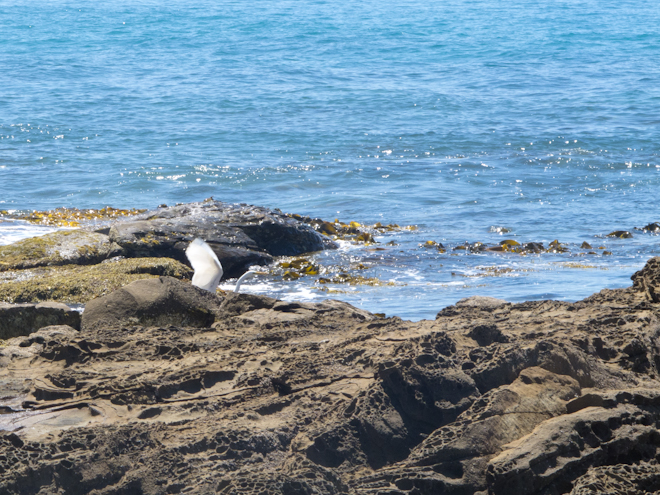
(347, 278)
(74, 217)
(621, 234)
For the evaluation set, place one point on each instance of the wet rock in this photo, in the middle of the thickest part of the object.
(75, 247)
(621, 234)
(533, 247)
(652, 227)
(240, 235)
(23, 319)
(163, 301)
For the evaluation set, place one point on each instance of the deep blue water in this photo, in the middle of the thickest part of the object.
(455, 116)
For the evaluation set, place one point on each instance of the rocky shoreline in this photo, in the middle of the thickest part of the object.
(79, 265)
(160, 387)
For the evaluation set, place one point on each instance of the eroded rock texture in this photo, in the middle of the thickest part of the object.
(540, 397)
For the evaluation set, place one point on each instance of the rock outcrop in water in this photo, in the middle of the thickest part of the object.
(79, 265)
(266, 396)
(240, 235)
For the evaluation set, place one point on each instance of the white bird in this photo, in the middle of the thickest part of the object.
(208, 270)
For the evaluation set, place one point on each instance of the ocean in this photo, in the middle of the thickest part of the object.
(475, 121)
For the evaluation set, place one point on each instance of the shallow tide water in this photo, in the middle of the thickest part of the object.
(464, 119)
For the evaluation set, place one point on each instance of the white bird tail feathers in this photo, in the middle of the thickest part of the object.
(208, 270)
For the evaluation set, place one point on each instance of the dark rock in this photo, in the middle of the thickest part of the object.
(533, 247)
(163, 301)
(652, 227)
(621, 234)
(240, 235)
(485, 335)
(23, 319)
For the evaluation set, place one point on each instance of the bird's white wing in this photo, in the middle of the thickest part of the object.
(208, 270)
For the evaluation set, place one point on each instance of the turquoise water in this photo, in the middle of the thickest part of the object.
(458, 117)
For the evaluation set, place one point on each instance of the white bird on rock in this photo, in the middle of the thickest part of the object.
(208, 270)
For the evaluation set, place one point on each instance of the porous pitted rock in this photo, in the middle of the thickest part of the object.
(240, 235)
(73, 247)
(31, 345)
(79, 284)
(162, 301)
(23, 319)
(565, 448)
(541, 397)
(632, 479)
(648, 279)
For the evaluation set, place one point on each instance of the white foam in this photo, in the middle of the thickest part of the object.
(14, 230)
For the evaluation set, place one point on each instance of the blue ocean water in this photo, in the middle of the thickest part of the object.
(460, 117)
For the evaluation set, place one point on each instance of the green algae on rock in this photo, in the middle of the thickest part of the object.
(72, 247)
(79, 284)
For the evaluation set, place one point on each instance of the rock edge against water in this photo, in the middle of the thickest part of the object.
(76, 266)
(247, 394)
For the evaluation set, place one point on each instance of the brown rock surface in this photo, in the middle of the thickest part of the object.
(541, 397)
(23, 319)
(152, 302)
